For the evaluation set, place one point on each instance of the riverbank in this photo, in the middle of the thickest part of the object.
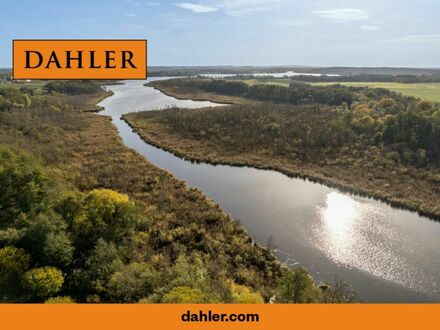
(386, 254)
(400, 186)
(196, 95)
(86, 102)
(179, 230)
(101, 159)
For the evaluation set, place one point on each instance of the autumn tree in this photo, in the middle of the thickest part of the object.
(43, 282)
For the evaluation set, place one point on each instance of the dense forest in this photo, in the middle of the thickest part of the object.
(85, 219)
(73, 87)
(372, 140)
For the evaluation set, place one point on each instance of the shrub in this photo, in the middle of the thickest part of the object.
(60, 300)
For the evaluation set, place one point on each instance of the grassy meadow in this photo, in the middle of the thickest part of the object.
(269, 81)
(426, 91)
(35, 85)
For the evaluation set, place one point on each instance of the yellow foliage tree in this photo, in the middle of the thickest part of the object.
(60, 300)
(183, 295)
(44, 281)
(244, 295)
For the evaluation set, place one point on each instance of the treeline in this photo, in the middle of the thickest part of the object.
(353, 71)
(296, 93)
(406, 79)
(73, 87)
(71, 230)
(414, 137)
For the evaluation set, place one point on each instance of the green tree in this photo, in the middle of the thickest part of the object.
(24, 187)
(38, 233)
(296, 286)
(13, 263)
(103, 261)
(72, 87)
(134, 282)
(58, 250)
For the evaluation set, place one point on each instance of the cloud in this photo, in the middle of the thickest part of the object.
(130, 15)
(234, 7)
(174, 20)
(422, 38)
(369, 28)
(343, 14)
(416, 38)
(134, 3)
(196, 8)
(243, 7)
(293, 22)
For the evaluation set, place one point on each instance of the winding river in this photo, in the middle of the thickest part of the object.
(385, 254)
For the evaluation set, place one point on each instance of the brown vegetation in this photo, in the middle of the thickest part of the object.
(337, 149)
(83, 218)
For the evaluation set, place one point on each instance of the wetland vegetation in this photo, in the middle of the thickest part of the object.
(371, 141)
(85, 219)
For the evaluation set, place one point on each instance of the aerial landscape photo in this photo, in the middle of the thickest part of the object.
(279, 152)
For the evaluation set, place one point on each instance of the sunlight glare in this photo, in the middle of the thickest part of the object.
(339, 215)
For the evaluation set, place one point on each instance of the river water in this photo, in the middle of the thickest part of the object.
(385, 254)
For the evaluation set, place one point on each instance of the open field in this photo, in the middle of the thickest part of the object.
(35, 85)
(427, 91)
(272, 81)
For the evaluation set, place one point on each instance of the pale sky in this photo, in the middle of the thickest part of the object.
(398, 33)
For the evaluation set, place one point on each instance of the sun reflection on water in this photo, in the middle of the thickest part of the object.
(356, 234)
(339, 216)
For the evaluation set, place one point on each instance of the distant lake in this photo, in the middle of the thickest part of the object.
(286, 74)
